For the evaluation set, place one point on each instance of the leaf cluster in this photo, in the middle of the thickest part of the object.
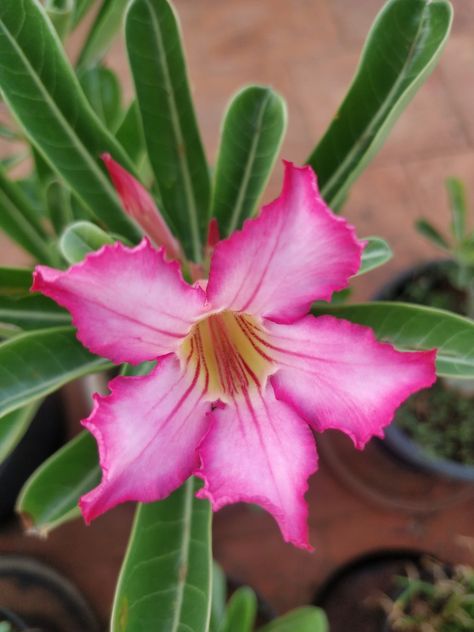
(435, 599)
(64, 115)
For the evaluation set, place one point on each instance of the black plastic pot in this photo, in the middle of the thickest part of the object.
(44, 436)
(36, 598)
(351, 597)
(396, 440)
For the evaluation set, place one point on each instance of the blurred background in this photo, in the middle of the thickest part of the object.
(308, 51)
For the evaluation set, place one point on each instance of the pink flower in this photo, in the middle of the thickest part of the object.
(243, 371)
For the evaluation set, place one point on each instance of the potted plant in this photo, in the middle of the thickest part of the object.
(432, 597)
(171, 280)
(435, 428)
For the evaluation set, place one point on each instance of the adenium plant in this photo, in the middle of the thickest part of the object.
(242, 368)
(220, 316)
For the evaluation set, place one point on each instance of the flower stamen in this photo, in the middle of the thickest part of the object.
(231, 358)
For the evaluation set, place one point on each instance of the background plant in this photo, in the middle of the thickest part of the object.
(459, 244)
(434, 599)
(66, 117)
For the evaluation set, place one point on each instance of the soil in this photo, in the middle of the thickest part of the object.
(440, 419)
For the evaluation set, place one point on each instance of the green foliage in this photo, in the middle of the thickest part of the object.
(49, 498)
(104, 93)
(130, 135)
(440, 420)
(416, 327)
(61, 13)
(307, 619)
(219, 596)
(37, 363)
(15, 282)
(384, 84)
(61, 125)
(20, 221)
(458, 206)
(434, 598)
(375, 254)
(81, 9)
(166, 574)
(169, 122)
(68, 207)
(102, 32)
(427, 229)
(241, 611)
(460, 244)
(13, 426)
(252, 132)
(80, 238)
(31, 312)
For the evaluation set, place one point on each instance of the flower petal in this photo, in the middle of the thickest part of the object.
(294, 253)
(337, 375)
(260, 451)
(139, 204)
(147, 432)
(128, 304)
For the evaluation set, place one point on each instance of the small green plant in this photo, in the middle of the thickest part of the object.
(459, 245)
(434, 598)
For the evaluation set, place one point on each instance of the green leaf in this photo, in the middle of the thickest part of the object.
(15, 281)
(165, 581)
(37, 363)
(464, 255)
(427, 229)
(219, 597)
(81, 238)
(60, 12)
(13, 426)
(49, 497)
(416, 327)
(102, 32)
(307, 619)
(80, 10)
(41, 89)
(32, 312)
(458, 205)
(251, 136)
(58, 204)
(130, 135)
(376, 253)
(402, 49)
(241, 611)
(20, 221)
(169, 122)
(104, 93)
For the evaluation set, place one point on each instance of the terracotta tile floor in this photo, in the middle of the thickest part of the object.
(308, 50)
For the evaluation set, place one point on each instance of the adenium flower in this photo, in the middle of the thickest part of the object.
(243, 372)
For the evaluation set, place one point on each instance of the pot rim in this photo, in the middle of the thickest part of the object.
(397, 440)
